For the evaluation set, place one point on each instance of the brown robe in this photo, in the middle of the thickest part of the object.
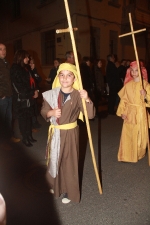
(67, 180)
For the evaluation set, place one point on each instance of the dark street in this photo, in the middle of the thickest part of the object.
(125, 198)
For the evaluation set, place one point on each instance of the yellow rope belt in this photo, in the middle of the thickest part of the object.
(134, 104)
(67, 126)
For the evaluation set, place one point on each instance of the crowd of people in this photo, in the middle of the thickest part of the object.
(102, 83)
(19, 87)
(127, 96)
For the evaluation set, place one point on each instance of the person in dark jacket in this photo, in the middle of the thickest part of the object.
(114, 83)
(23, 95)
(37, 78)
(99, 78)
(87, 76)
(53, 72)
(99, 84)
(6, 130)
(122, 70)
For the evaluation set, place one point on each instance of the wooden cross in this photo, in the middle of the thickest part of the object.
(70, 30)
(139, 71)
(134, 43)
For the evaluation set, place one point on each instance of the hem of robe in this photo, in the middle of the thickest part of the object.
(131, 161)
(57, 195)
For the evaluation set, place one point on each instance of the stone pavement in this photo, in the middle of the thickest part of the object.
(126, 186)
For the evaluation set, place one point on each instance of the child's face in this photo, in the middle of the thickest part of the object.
(66, 78)
(134, 72)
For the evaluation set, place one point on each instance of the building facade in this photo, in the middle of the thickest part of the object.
(32, 25)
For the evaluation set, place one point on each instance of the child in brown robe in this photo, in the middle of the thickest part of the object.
(62, 106)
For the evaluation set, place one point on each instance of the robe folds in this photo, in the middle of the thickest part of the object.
(66, 180)
(134, 136)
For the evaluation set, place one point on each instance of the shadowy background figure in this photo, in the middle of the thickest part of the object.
(69, 56)
(53, 72)
(114, 83)
(37, 79)
(24, 93)
(87, 77)
(6, 130)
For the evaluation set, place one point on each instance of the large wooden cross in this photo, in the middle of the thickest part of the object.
(70, 30)
(134, 43)
(139, 71)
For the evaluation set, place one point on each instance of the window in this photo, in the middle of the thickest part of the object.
(95, 42)
(113, 42)
(44, 2)
(17, 45)
(131, 1)
(114, 3)
(148, 5)
(15, 9)
(48, 47)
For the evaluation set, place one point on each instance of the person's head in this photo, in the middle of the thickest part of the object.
(2, 51)
(21, 57)
(123, 62)
(70, 57)
(99, 63)
(111, 58)
(132, 72)
(86, 60)
(66, 76)
(56, 62)
(115, 57)
(142, 63)
(117, 64)
(128, 62)
(31, 62)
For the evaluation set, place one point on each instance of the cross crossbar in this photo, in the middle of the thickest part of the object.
(135, 32)
(66, 30)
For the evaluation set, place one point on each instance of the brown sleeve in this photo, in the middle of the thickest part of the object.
(89, 107)
(44, 110)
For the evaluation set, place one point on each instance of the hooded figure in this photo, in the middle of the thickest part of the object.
(131, 109)
(128, 76)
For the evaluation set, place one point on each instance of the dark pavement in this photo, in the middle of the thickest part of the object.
(126, 186)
